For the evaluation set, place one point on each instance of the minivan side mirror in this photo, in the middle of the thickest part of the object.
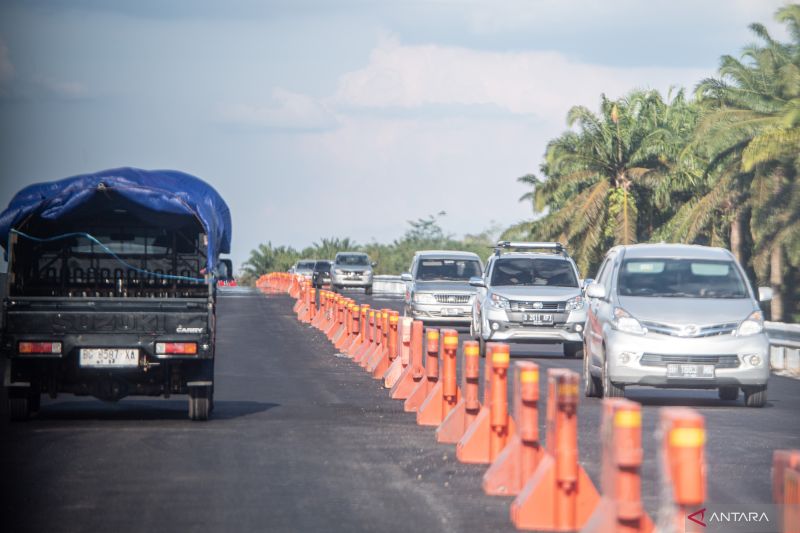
(477, 282)
(764, 294)
(595, 290)
(374, 264)
(586, 282)
(405, 276)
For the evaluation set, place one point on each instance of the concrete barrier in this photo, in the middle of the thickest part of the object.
(388, 285)
(784, 340)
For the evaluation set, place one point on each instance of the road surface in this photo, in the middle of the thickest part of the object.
(303, 440)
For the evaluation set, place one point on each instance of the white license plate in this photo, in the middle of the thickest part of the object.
(676, 370)
(451, 311)
(109, 357)
(538, 318)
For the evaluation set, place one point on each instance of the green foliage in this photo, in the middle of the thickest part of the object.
(394, 258)
(721, 169)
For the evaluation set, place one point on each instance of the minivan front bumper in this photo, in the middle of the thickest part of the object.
(645, 359)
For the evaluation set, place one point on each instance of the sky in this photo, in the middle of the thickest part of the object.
(337, 119)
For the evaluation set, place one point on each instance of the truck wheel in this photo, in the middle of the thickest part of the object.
(199, 403)
(755, 396)
(19, 409)
(728, 393)
(573, 349)
(368, 290)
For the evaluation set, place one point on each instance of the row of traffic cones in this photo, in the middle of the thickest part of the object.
(552, 490)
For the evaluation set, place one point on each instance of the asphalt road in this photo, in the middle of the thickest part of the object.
(303, 440)
(740, 440)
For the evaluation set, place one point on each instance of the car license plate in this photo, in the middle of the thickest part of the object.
(538, 319)
(675, 370)
(109, 357)
(451, 311)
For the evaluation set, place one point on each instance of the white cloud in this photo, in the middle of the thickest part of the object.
(286, 111)
(540, 83)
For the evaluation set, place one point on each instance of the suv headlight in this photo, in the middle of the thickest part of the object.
(623, 321)
(424, 298)
(338, 271)
(751, 325)
(499, 302)
(575, 303)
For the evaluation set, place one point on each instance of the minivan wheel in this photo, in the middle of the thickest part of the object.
(610, 389)
(19, 408)
(368, 290)
(591, 385)
(573, 349)
(755, 396)
(728, 393)
(481, 345)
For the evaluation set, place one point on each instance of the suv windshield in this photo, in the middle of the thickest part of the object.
(322, 266)
(680, 278)
(448, 269)
(355, 260)
(534, 271)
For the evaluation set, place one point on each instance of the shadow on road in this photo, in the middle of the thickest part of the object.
(145, 410)
(683, 398)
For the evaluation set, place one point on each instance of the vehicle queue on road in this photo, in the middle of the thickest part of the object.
(658, 315)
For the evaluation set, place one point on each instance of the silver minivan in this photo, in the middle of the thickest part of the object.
(675, 316)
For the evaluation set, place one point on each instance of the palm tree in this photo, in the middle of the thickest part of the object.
(605, 177)
(750, 134)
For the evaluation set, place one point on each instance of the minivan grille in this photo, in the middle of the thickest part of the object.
(694, 332)
(452, 298)
(719, 361)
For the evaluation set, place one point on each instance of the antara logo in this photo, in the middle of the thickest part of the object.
(719, 517)
(693, 517)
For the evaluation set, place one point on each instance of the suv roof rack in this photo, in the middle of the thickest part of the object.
(556, 247)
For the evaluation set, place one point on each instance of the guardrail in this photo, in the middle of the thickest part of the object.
(388, 285)
(784, 349)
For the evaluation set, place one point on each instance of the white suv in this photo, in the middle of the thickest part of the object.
(532, 294)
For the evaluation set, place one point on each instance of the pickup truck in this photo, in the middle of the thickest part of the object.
(111, 288)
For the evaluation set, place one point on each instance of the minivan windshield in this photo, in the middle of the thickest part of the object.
(448, 269)
(680, 278)
(534, 271)
(352, 260)
(305, 265)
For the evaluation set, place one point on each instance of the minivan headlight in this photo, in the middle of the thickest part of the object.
(623, 321)
(424, 298)
(751, 325)
(575, 303)
(499, 302)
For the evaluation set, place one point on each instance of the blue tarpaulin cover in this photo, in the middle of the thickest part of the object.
(166, 191)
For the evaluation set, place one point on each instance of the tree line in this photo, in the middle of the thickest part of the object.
(719, 167)
(716, 167)
(392, 258)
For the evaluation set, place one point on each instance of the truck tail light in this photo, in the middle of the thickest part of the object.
(26, 347)
(176, 348)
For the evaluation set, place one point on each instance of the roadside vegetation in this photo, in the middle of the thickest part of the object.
(718, 166)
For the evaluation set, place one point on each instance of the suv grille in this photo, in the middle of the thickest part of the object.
(719, 361)
(537, 306)
(452, 298)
